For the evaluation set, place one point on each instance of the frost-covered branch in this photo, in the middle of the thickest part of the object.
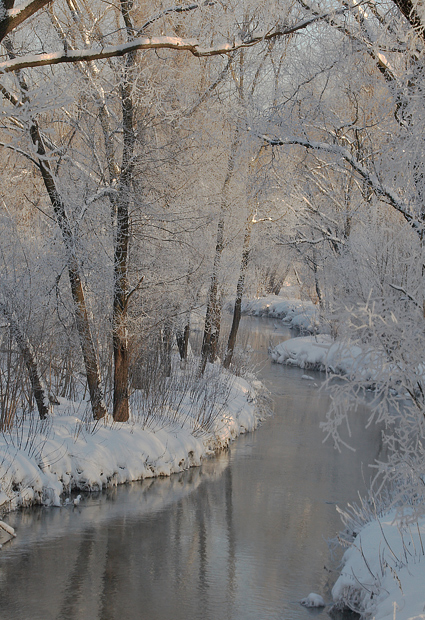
(154, 43)
(369, 177)
(12, 147)
(175, 9)
(367, 40)
(400, 289)
(12, 18)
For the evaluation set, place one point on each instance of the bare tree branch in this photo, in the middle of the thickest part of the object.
(371, 179)
(15, 17)
(163, 42)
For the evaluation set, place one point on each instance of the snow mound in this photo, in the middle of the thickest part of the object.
(300, 315)
(384, 571)
(313, 600)
(321, 352)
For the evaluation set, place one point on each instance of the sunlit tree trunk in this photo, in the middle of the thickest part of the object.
(121, 250)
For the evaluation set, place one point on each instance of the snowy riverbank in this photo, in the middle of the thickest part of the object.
(383, 573)
(322, 353)
(41, 462)
(302, 316)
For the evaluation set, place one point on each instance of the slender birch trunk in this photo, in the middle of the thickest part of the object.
(38, 388)
(213, 312)
(237, 311)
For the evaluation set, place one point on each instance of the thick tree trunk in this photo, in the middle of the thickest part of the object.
(215, 334)
(120, 338)
(121, 251)
(25, 349)
(166, 346)
(237, 311)
(77, 291)
(212, 304)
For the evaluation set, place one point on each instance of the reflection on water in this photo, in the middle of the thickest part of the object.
(241, 538)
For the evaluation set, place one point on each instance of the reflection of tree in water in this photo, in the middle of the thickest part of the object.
(78, 578)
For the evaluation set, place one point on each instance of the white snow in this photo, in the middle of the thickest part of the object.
(313, 600)
(321, 352)
(70, 452)
(7, 528)
(300, 315)
(384, 571)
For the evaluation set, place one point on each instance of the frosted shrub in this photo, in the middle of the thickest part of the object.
(389, 375)
(28, 433)
(181, 399)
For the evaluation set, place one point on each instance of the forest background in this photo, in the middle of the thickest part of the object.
(162, 159)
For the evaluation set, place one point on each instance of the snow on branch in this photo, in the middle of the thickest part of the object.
(162, 42)
(15, 17)
(371, 179)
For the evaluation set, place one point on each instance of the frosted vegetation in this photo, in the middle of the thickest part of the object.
(162, 159)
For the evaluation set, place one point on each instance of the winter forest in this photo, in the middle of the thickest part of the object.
(161, 164)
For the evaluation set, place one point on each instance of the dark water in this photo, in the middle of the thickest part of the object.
(241, 538)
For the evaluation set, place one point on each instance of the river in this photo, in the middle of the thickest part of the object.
(244, 537)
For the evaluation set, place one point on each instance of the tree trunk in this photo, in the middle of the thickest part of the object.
(237, 311)
(80, 308)
(182, 338)
(26, 350)
(212, 316)
(316, 279)
(166, 346)
(212, 305)
(120, 337)
(121, 251)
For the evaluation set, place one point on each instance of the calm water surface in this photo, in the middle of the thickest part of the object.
(244, 537)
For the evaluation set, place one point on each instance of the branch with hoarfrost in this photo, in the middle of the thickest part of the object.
(16, 149)
(174, 9)
(14, 17)
(106, 191)
(154, 43)
(365, 38)
(371, 179)
(400, 289)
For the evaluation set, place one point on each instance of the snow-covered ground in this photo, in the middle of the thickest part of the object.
(41, 462)
(384, 571)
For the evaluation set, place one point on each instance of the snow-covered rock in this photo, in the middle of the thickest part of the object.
(313, 600)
